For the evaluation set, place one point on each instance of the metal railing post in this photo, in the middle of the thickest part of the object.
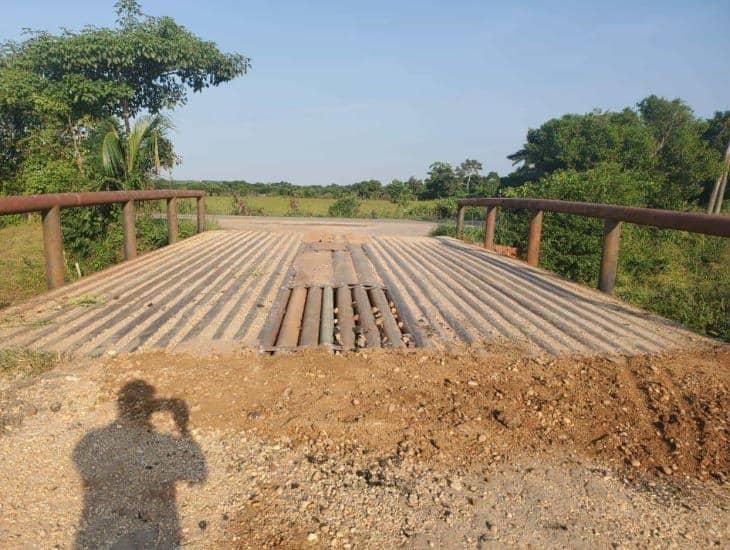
(53, 247)
(201, 214)
(490, 223)
(609, 255)
(130, 235)
(171, 220)
(460, 222)
(533, 238)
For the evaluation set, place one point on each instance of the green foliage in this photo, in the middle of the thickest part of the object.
(717, 132)
(145, 64)
(580, 142)
(369, 189)
(467, 171)
(130, 158)
(442, 181)
(679, 275)
(399, 193)
(485, 186)
(48, 166)
(60, 96)
(571, 245)
(661, 138)
(345, 207)
(87, 230)
(22, 363)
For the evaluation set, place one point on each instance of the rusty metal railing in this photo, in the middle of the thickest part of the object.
(613, 216)
(50, 205)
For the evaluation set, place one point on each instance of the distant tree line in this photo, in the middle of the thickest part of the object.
(658, 154)
(442, 181)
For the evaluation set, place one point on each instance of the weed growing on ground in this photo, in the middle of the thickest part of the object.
(22, 363)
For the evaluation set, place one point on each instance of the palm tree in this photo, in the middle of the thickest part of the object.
(132, 157)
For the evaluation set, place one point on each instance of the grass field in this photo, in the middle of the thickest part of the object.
(317, 207)
(21, 263)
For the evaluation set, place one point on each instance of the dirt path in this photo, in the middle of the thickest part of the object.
(330, 226)
(368, 450)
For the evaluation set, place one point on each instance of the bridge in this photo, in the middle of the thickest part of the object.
(277, 291)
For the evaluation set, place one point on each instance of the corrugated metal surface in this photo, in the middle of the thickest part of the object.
(226, 289)
(207, 292)
(461, 292)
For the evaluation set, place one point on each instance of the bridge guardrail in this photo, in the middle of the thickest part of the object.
(49, 205)
(612, 214)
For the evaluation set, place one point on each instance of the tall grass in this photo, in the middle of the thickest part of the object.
(320, 207)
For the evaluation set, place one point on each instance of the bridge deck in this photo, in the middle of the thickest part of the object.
(231, 289)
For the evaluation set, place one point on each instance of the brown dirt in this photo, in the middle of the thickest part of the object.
(661, 411)
(381, 448)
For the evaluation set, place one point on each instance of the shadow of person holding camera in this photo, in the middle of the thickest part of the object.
(130, 471)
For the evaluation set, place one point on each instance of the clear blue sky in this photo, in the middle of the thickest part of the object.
(342, 91)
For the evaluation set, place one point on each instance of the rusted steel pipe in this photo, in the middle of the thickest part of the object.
(706, 224)
(39, 203)
(345, 317)
(390, 328)
(490, 223)
(53, 247)
(200, 202)
(172, 220)
(310, 322)
(533, 238)
(460, 222)
(130, 236)
(327, 323)
(291, 323)
(366, 318)
(609, 256)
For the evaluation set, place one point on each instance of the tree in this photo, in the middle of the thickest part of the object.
(486, 186)
(345, 207)
(55, 89)
(368, 189)
(580, 142)
(399, 192)
(684, 160)
(662, 137)
(717, 137)
(571, 245)
(442, 181)
(468, 169)
(145, 64)
(131, 158)
(416, 186)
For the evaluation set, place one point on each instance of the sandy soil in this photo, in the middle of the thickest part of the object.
(329, 226)
(376, 449)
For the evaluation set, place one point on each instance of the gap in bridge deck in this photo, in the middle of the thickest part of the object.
(343, 318)
(335, 299)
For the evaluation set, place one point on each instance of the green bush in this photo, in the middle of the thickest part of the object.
(682, 276)
(344, 207)
(571, 245)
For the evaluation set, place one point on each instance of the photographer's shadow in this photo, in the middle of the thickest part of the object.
(130, 471)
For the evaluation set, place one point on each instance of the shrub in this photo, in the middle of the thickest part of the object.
(344, 207)
(294, 207)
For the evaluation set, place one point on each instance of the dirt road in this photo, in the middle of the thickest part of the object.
(375, 449)
(330, 226)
